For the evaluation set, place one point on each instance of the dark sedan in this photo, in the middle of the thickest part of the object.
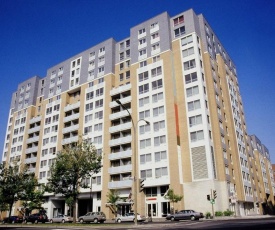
(13, 219)
(185, 215)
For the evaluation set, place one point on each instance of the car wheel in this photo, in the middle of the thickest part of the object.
(63, 221)
(3, 222)
(51, 221)
(172, 218)
(25, 221)
(81, 221)
(193, 218)
(96, 220)
(118, 220)
(36, 221)
(13, 222)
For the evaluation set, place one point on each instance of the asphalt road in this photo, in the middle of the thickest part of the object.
(259, 224)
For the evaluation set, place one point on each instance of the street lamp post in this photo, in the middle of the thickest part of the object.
(134, 159)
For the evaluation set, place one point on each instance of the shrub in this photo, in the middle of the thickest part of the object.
(218, 213)
(228, 213)
(207, 215)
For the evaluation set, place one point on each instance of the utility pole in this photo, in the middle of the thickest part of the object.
(212, 203)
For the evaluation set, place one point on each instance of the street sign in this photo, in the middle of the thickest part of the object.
(212, 201)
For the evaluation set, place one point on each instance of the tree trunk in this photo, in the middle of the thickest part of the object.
(10, 208)
(74, 210)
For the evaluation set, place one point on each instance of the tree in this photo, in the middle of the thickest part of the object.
(15, 181)
(3, 205)
(73, 165)
(172, 197)
(112, 198)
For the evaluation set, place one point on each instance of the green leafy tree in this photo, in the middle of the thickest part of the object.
(172, 197)
(14, 182)
(73, 165)
(3, 206)
(112, 198)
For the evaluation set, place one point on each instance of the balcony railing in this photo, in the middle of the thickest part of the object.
(69, 140)
(120, 184)
(70, 129)
(120, 127)
(120, 169)
(120, 89)
(120, 141)
(71, 106)
(123, 113)
(120, 155)
(71, 117)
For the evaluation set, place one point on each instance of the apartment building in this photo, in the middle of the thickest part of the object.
(180, 106)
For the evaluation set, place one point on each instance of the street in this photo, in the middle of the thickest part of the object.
(248, 223)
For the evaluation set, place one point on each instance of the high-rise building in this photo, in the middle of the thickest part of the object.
(171, 90)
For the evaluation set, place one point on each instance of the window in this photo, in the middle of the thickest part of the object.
(196, 136)
(101, 69)
(53, 139)
(192, 77)
(145, 143)
(142, 41)
(160, 156)
(141, 31)
(155, 35)
(89, 95)
(178, 20)
(128, 53)
(142, 52)
(195, 120)
(127, 43)
(54, 128)
(99, 92)
(88, 118)
(98, 140)
(144, 101)
(193, 105)
(154, 25)
(53, 150)
(92, 54)
(156, 71)
(158, 111)
(98, 127)
(157, 84)
(89, 107)
(99, 103)
(144, 128)
(159, 125)
(157, 97)
(143, 88)
(102, 49)
(87, 129)
(45, 141)
(187, 40)
(121, 56)
(159, 172)
(99, 115)
(101, 59)
(44, 152)
(145, 158)
(128, 74)
(156, 58)
(144, 114)
(55, 118)
(155, 46)
(189, 64)
(180, 31)
(142, 64)
(188, 52)
(143, 76)
(192, 91)
(159, 140)
(146, 173)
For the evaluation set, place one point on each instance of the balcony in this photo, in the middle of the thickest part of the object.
(120, 155)
(31, 170)
(70, 129)
(33, 139)
(69, 140)
(121, 127)
(72, 106)
(35, 119)
(30, 160)
(33, 130)
(120, 89)
(120, 184)
(32, 150)
(71, 117)
(120, 169)
(119, 141)
(123, 113)
(122, 100)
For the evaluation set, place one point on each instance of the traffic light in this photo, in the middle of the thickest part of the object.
(208, 197)
(214, 194)
(141, 185)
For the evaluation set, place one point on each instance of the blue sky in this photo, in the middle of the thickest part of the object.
(36, 35)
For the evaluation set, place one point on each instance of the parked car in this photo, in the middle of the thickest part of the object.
(37, 217)
(96, 217)
(130, 217)
(13, 219)
(61, 218)
(185, 215)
